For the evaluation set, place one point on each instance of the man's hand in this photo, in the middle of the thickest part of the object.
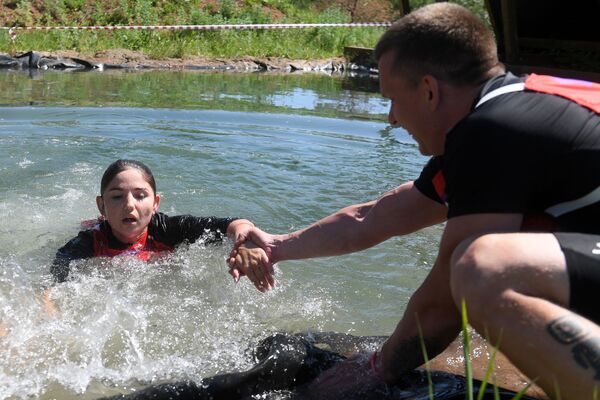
(348, 379)
(238, 230)
(250, 260)
(261, 238)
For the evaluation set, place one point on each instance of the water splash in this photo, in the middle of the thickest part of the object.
(123, 323)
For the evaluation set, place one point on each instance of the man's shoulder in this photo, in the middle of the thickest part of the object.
(499, 81)
(498, 118)
(493, 111)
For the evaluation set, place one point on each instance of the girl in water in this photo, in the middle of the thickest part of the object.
(130, 223)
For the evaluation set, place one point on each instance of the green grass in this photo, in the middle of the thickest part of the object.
(467, 351)
(310, 43)
(476, 6)
(426, 359)
(489, 369)
(314, 43)
(488, 372)
(291, 43)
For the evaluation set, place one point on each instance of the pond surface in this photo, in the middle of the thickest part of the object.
(281, 150)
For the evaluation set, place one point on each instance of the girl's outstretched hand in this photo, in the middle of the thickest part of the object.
(251, 260)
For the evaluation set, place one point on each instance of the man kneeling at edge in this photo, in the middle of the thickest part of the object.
(505, 151)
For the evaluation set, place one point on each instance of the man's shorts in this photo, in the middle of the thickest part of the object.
(582, 253)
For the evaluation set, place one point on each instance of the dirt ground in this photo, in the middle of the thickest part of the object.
(127, 57)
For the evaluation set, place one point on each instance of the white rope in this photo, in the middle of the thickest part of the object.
(13, 31)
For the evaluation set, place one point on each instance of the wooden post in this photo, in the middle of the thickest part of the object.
(404, 7)
(509, 28)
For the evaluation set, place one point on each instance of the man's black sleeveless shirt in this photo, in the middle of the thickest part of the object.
(523, 152)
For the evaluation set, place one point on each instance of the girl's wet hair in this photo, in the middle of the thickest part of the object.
(122, 165)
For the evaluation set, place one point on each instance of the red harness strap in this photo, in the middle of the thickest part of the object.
(439, 184)
(584, 93)
(143, 248)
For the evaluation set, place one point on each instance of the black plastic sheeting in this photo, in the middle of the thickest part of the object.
(286, 364)
(33, 60)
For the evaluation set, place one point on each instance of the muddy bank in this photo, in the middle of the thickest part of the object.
(127, 59)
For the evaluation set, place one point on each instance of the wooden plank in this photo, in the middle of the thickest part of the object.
(559, 44)
(562, 72)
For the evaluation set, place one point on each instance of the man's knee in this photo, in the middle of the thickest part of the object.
(474, 269)
(491, 266)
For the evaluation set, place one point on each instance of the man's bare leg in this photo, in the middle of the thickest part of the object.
(516, 287)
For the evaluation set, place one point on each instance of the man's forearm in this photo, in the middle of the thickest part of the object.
(403, 352)
(406, 355)
(430, 318)
(340, 233)
(397, 212)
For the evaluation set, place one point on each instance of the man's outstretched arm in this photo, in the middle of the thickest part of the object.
(400, 211)
(357, 227)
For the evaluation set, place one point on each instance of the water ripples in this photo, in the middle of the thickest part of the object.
(121, 323)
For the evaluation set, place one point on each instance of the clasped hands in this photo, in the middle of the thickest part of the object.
(254, 253)
(252, 256)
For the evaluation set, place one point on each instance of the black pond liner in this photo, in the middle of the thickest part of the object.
(33, 60)
(289, 363)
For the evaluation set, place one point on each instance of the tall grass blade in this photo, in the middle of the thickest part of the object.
(467, 350)
(488, 374)
(496, 391)
(556, 390)
(424, 352)
(490, 368)
(521, 392)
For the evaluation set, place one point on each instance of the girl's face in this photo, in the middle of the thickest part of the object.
(128, 203)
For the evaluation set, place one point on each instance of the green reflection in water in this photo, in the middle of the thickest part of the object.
(314, 94)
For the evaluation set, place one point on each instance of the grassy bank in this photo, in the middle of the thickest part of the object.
(292, 43)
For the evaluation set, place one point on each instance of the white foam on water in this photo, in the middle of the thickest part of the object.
(125, 323)
(25, 163)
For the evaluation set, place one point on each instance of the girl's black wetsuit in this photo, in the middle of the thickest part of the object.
(164, 233)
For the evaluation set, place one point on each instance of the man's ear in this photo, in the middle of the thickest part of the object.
(100, 204)
(156, 202)
(431, 91)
